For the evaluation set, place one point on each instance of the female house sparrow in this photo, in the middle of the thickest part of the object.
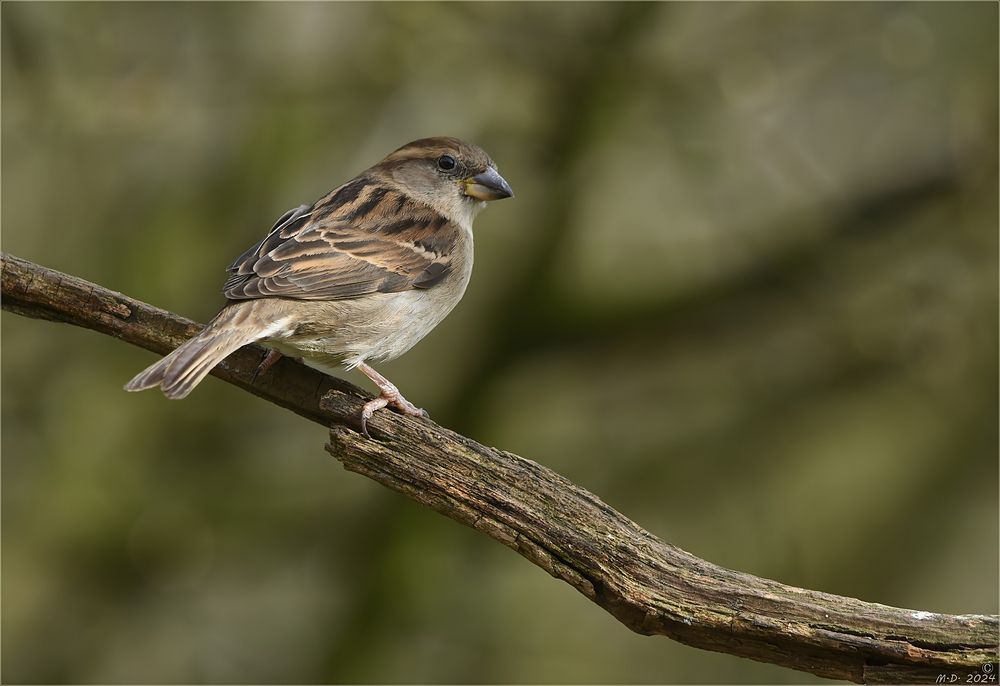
(360, 275)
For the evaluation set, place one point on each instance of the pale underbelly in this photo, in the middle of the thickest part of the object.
(377, 327)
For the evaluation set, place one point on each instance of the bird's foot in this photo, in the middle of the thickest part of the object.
(390, 397)
(269, 361)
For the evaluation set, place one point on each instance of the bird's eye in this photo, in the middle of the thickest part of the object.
(446, 163)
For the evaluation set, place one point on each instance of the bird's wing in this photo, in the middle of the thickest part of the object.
(353, 242)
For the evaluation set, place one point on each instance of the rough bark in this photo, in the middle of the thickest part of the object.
(650, 586)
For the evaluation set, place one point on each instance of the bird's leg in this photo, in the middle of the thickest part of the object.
(269, 361)
(389, 396)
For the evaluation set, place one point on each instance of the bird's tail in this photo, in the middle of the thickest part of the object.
(179, 372)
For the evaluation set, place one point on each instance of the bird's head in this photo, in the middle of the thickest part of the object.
(453, 176)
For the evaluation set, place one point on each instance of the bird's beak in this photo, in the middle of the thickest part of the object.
(488, 186)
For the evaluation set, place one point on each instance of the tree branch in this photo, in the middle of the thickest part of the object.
(650, 586)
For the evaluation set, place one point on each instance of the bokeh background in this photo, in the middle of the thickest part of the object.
(746, 293)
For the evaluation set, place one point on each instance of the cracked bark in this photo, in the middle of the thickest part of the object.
(650, 586)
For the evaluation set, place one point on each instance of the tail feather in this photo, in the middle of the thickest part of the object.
(179, 372)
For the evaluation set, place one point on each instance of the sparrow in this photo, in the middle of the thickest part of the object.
(359, 276)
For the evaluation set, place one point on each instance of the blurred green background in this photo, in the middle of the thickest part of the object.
(746, 293)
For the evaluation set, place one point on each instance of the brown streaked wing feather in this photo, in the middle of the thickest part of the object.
(293, 217)
(364, 245)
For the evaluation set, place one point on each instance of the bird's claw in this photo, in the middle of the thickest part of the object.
(268, 361)
(404, 406)
(393, 400)
(369, 409)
